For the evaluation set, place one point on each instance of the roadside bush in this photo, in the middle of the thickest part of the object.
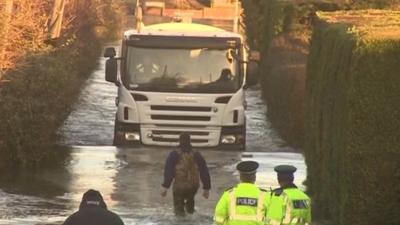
(262, 19)
(374, 4)
(37, 100)
(283, 84)
(265, 19)
(26, 30)
(353, 117)
(270, 25)
(280, 31)
(29, 23)
(44, 76)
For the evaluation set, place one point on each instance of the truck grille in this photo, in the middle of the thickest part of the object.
(180, 108)
(164, 123)
(174, 132)
(172, 136)
(169, 136)
(180, 125)
(185, 118)
(175, 140)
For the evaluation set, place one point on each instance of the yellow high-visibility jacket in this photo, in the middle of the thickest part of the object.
(288, 206)
(244, 204)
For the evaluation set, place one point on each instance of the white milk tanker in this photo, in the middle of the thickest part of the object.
(180, 77)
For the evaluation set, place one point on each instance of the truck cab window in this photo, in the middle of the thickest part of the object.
(181, 70)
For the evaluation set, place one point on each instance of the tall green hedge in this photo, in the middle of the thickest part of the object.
(352, 123)
(263, 20)
(378, 4)
(283, 86)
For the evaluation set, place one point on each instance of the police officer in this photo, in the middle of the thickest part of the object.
(287, 204)
(244, 203)
(93, 211)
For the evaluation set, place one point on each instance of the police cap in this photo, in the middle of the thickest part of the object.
(247, 167)
(285, 169)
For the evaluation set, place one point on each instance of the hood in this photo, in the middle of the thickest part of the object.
(92, 198)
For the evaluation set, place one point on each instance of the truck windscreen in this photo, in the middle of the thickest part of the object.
(182, 70)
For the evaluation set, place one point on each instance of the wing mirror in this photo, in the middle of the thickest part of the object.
(111, 65)
(109, 52)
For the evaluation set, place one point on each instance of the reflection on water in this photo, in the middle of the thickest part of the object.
(129, 180)
(168, 219)
(266, 177)
(92, 168)
(33, 197)
(47, 196)
(260, 135)
(91, 123)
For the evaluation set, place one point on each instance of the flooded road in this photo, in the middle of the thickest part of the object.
(130, 178)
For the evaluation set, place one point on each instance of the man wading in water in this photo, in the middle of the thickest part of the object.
(185, 168)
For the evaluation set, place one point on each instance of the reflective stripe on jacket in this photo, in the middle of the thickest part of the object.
(289, 206)
(244, 204)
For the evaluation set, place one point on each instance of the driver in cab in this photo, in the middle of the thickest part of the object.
(147, 66)
(226, 76)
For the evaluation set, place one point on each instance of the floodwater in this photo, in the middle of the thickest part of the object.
(130, 178)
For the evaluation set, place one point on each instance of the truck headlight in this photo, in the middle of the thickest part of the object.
(228, 139)
(132, 136)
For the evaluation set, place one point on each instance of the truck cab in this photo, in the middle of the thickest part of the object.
(179, 77)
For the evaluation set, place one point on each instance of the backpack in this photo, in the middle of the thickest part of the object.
(186, 172)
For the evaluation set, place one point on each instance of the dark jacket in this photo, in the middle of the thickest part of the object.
(172, 161)
(93, 211)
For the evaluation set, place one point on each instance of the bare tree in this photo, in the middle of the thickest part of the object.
(8, 14)
(56, 19)
(6, 25)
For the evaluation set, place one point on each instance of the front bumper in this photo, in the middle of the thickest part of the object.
(168, 135)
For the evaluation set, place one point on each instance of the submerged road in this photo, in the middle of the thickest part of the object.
(130, 178)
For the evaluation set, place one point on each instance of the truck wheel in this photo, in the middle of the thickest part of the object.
(242, 146)
(239, 147)
(117, 139)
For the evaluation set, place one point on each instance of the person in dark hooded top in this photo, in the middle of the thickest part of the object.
(93, 211)
(185, 168)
